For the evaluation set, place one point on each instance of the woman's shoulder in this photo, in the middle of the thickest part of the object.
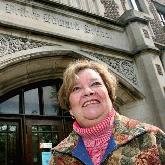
(67, 145)
(133, 124)
(127, 129)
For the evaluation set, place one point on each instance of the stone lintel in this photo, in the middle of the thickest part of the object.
(134, 16)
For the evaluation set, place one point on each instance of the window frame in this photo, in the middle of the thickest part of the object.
(161, 12)
(134, 4)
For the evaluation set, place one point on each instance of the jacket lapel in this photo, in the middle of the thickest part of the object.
(110, 148)
(81, 153)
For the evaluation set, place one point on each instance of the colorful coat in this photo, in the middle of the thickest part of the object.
(132, 143)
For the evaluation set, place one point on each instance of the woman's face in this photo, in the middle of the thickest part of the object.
(89, 99)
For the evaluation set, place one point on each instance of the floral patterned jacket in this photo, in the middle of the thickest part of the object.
(132, 143)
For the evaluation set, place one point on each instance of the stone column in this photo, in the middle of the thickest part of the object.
(153, 79)
(150, 68)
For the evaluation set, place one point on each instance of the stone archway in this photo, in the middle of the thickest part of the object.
(31, 71)
(48, 62)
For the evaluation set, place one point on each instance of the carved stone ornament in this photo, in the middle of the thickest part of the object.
(146, 34)
(124, 67)
(11, 44)
(123, 4)
(111, 9)
(4, 45)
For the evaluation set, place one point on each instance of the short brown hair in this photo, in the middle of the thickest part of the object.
(69, 77)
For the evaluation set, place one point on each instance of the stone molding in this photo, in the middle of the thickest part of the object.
(11, 44)
(90, 6)
(62, 23)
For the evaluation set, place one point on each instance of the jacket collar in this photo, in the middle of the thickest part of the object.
(124, 130)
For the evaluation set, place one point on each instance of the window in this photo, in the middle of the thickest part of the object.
(134, 4)
(50, 100)
(10, 106)
(161, 12)
(31, 101)
(34, 99)
(162, 18)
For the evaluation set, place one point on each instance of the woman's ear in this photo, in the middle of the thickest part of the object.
(71, 113)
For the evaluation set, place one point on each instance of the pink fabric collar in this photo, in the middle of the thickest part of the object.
(96, 138)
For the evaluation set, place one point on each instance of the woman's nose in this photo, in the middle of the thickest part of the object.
(88, 91)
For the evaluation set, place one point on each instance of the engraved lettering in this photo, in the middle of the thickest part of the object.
(100, 32)
(77, 27)
(61, 22)
(9, 8)
(56, 20)
(22, 11)
(87, 30)
(71, 25)
(67, 24)
(36, 14)
(46, 18)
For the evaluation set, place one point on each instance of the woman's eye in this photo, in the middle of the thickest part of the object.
(96, 83)
(75, 88)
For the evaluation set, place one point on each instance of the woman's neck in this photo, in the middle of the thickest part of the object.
(97, 130)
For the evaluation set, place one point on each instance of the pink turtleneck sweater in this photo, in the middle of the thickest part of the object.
(96, 138)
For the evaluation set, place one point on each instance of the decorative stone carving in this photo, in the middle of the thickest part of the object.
(159, 69)
(146, 34)
(111, 9)
(4, 45)
(11, 44)
(123, 4)
(124, 67)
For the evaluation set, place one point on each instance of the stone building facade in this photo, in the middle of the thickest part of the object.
(38, 39)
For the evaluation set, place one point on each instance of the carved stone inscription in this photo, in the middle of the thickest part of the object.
(60, 23)
(55, 19)
(22, 11)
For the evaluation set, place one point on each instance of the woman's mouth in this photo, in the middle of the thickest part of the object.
(89, 102)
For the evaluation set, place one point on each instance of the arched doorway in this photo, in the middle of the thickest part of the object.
(31, 119)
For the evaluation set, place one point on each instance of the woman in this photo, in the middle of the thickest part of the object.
(100, 135)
